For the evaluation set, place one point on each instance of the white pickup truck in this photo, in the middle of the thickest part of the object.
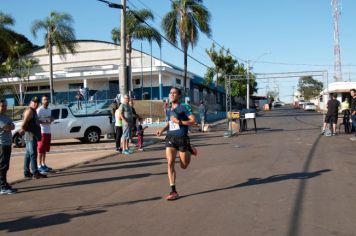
(66, 125)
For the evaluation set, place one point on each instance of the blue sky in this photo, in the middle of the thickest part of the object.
(293, 32)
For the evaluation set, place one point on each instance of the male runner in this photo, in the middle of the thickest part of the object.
(180, 117)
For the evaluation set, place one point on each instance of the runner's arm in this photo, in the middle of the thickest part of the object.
(166, 127)
(189, 122)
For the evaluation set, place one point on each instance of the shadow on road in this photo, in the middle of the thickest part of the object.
(30, 222)
(86, 182)
(268, 180)
(92, 170)
(64, 215)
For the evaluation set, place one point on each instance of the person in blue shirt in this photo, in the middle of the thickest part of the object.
(177, 140)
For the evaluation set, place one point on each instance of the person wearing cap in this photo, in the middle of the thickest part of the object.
(31, 131)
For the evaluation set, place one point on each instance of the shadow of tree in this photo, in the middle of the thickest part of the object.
(268, 180)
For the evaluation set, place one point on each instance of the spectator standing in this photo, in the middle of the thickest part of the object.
(135, 116)
(345, 110)
(140, 134)
(127, 120)
(332, 113)
(79, 98)
(353, 111)
(165, 109)
(32, 134)
(6, 125)
(202, 114)
(45, 118)
(118, 129)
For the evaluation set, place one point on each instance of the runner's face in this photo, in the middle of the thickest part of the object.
(173, 95)
(352, 94)
(126, 99)
(45, 101)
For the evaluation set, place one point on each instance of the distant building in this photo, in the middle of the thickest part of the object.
(95, 68)
(342, 89)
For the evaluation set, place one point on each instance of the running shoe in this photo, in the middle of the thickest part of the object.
(322, 132)
(39, 176)
(7, 190)
(47, 167)
(194, 151)
(353, 138)
(125, 152)
(42, 170)
(140, 149)
(118, 151)
(28, 175)
(172, 196)
(130, 151)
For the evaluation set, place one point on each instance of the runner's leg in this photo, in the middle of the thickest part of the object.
(184, 159)
(171, 157)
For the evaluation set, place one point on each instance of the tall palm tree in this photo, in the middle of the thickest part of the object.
(137, 29)
(59, 33)
(186, 19)
(5, 37)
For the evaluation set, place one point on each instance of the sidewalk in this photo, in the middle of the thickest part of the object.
(61, 159)
(64, 155)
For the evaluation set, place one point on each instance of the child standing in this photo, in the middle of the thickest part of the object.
(140, 132)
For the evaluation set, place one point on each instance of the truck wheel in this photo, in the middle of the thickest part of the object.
(19, 141)
(92, 135)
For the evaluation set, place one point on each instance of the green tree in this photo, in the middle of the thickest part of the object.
(309, 87)
(137, 29)
(186, 18)
(60, 34)
(5, 36)
(225, 65)
(223, 61)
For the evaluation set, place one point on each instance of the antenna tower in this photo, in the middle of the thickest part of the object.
(337, 58)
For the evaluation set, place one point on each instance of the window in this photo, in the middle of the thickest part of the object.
(32, 88)
(178, 81)
(137, 81)
(64, 113)
(75, 86)
(55, 114)
(44, 87)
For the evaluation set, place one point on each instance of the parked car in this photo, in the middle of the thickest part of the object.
(301, 103)
(278, 104)
(66, 125)
(309, 106)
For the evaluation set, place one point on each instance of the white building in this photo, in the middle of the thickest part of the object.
(95, 67)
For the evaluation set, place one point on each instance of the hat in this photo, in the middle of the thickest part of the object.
(35, 99)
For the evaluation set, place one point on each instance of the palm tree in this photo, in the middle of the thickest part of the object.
(59, 33)
(186, 18)
(5, 36)
(137, 29)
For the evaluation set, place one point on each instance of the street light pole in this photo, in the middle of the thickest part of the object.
(123, 69)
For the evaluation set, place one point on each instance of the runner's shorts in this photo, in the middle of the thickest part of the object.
(180, 143)
(43, 146)
(330, 119)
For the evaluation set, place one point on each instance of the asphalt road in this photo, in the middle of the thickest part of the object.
(284, 180)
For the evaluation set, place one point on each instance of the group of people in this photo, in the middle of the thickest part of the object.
(36, 130)
(126, 127)
(347, 109)
(37, 134)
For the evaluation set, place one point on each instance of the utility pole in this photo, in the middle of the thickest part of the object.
(123, 69)
(248, 85)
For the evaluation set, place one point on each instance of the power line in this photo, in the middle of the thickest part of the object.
(175, 46)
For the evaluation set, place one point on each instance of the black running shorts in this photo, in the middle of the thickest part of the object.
(331, 119)
(180, 143)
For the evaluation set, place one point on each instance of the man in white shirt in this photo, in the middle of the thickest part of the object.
(45, 118)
